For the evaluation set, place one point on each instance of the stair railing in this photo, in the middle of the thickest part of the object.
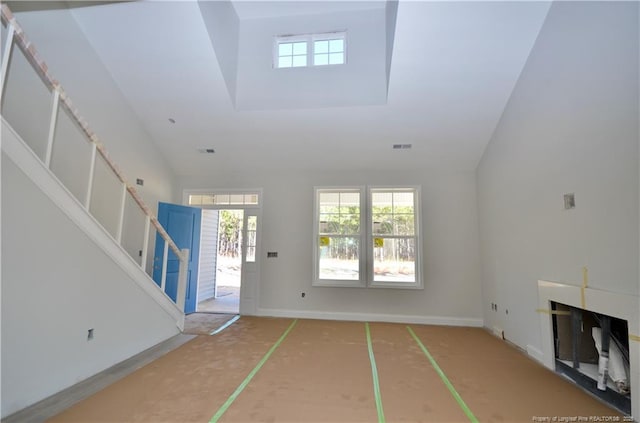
(16, 35)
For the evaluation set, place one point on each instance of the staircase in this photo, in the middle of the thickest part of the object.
(77, 243)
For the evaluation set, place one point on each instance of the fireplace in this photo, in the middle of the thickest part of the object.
(566, 310)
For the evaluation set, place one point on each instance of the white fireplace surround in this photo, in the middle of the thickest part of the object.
(622, 306)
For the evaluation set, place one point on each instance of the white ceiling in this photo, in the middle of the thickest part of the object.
(454, 67)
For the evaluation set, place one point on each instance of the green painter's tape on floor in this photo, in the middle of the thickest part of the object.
(444, 378)
(246, 381)
(374, 373)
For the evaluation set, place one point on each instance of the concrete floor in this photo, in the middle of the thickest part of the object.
(228, 301)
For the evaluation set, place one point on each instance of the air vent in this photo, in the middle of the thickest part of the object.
(206, 150)
(401, 146)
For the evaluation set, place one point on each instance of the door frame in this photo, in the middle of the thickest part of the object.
(249, 295)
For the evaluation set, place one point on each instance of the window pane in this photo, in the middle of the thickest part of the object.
(252, 223)
(251, 254)
(394, 260)
(383, 224)
(336, 46)
(403, 199)
(299, 61)
(404, 224)
(339, 259)
(350, 224)
(195, 200)
(381, 199)
(284, 62)
(221, 199)
(332, 198)
(251, 199)
(321, 59)
(350, 199)
(300, 48)
(336, 58)
(329, 224)
(236, 199)
(285, 49)
(321, 47)
(329, 209)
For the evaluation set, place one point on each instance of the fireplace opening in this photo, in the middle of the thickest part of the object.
(592, 350)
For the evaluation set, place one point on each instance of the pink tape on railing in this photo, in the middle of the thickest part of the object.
(41, 67)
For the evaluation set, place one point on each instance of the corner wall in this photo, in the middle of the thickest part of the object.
(570, 126)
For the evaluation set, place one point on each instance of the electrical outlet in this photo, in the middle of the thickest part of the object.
(569, 201)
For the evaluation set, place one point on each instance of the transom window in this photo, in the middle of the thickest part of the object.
(367, 242)
(224, 199)
(310, 50)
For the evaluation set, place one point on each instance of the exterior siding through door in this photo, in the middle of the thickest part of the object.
(208, 254)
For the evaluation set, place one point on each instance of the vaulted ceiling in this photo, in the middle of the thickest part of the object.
(453, 67)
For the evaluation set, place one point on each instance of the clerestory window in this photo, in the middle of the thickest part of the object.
(294, 51)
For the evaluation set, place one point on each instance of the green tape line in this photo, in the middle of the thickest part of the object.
(444, 378)
(246, 381)
(226, 325)
(374, 373)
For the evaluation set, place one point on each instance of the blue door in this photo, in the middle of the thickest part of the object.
(183, 225)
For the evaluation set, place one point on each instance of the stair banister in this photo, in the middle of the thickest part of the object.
(15, 34)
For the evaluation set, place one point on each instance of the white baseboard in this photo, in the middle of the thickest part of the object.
(372, 317)
(535, 353)
(31, 165)
(498, 331)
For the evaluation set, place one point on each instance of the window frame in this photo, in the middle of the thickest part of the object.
(310, 40)
(417, 206)
(349, 283)
(254, 191)
(366, 238)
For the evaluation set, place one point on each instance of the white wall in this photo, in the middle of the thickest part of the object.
(570, 126)
(450, 255)
(223, 27)
(56, 284)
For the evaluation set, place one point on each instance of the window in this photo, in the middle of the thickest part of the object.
(292, 55)
(224, 199)
(328, 52)
(339, 237)
(383, 252)
(310, 50)
(393, 227)
(252, 228)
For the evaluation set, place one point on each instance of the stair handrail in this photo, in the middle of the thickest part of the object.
(15, 33)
